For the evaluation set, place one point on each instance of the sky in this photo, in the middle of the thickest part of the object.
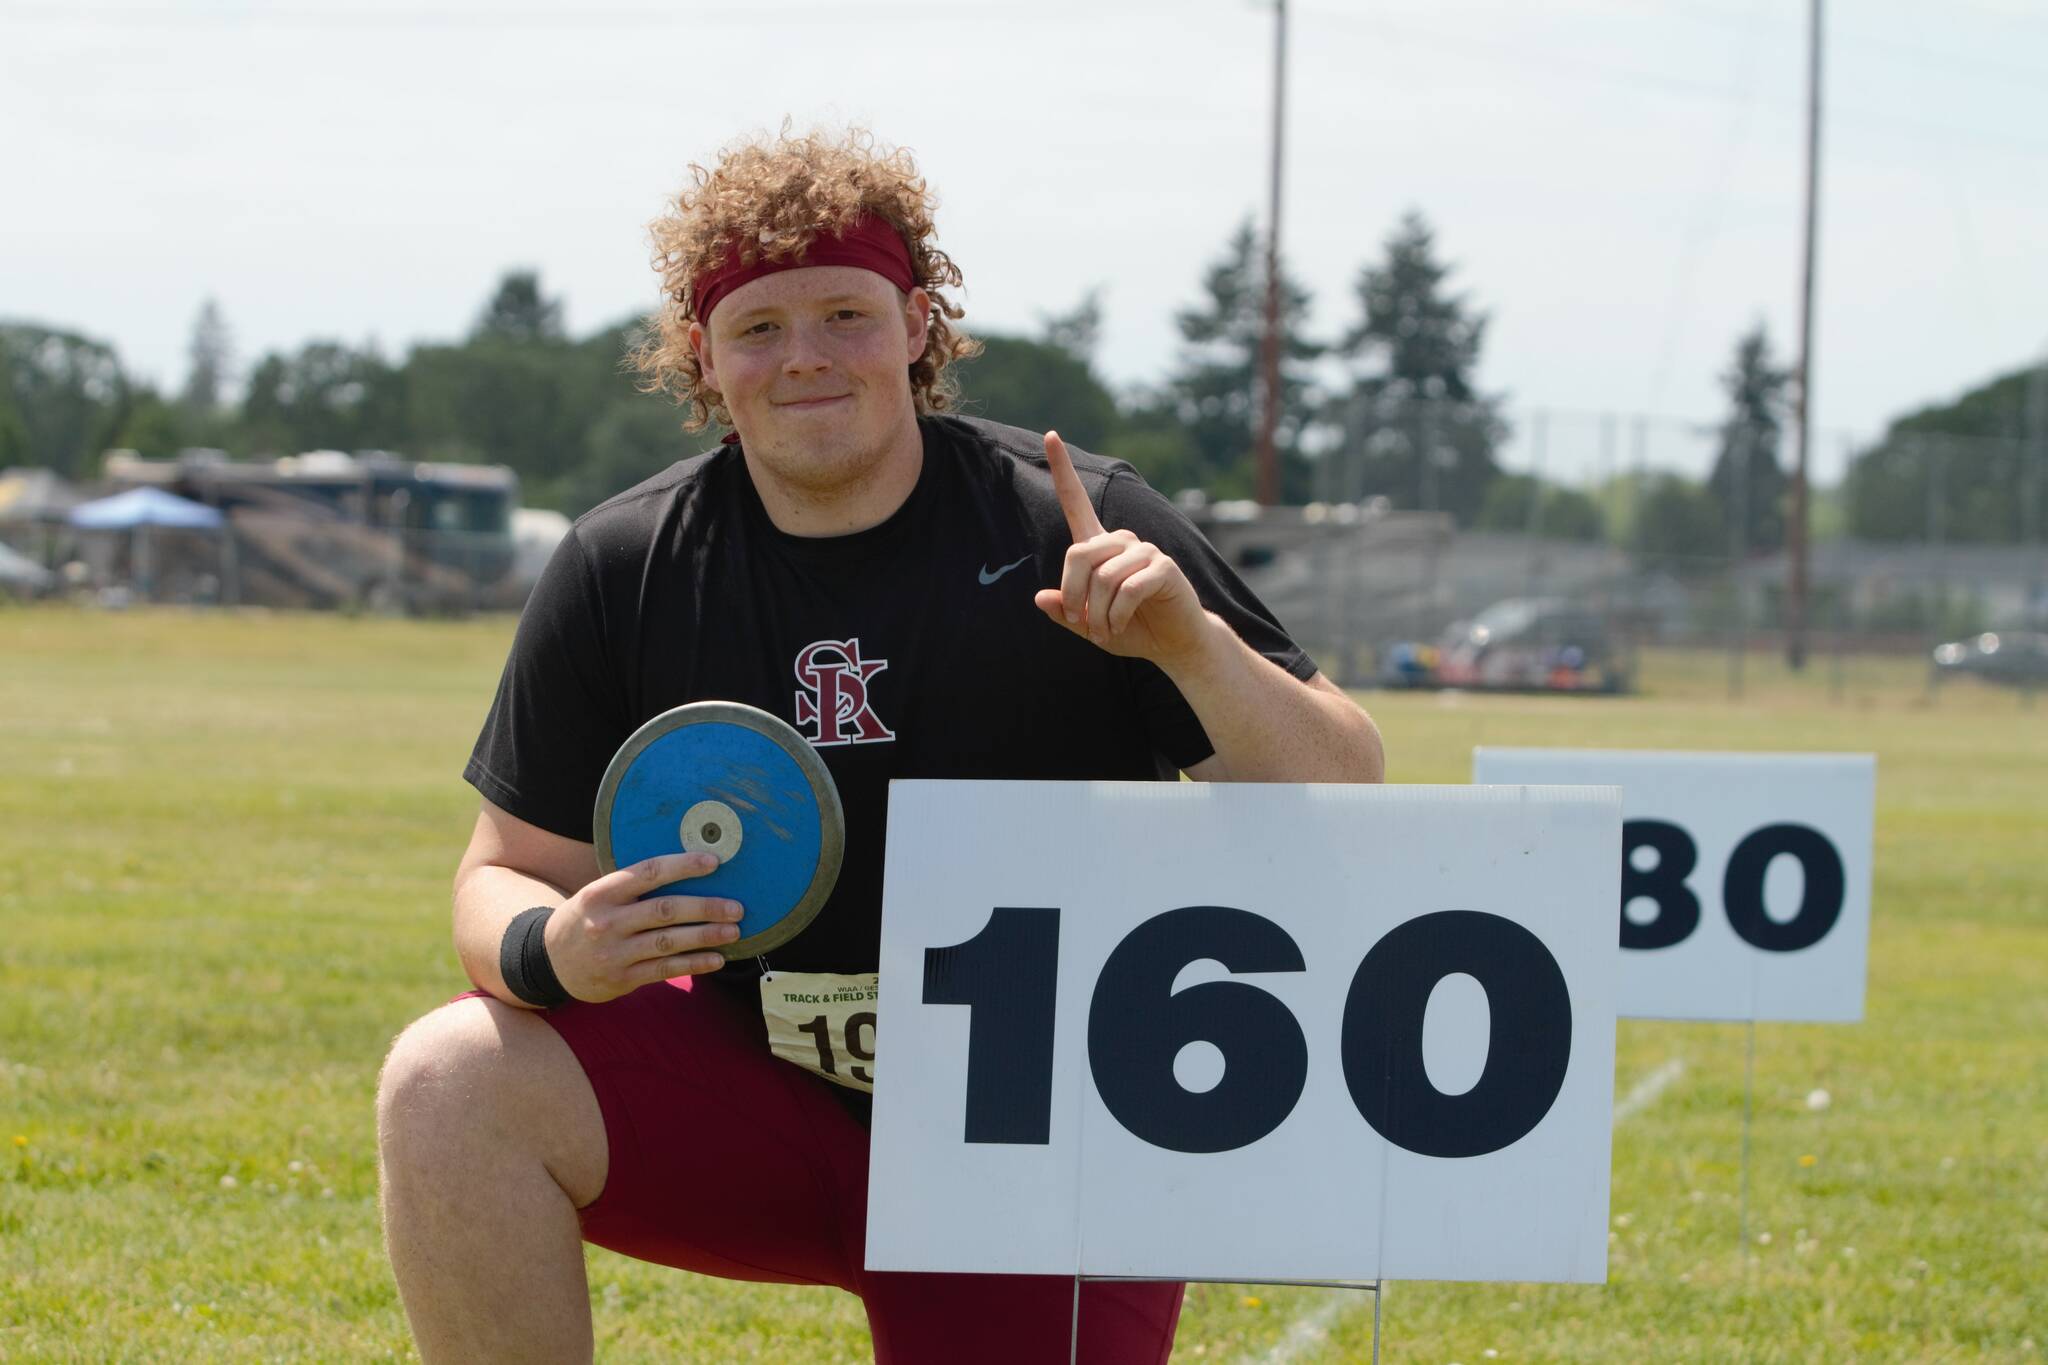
(1618, 185)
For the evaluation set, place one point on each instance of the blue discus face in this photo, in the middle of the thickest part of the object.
(781, 839)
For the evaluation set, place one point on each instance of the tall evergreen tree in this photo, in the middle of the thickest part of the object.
(519, 312)
(211, 354)
(1076, 332)
(1215, 390)
(1748, 455)
(1416, 428)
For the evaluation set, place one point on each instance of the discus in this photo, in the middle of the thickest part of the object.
(736, 782)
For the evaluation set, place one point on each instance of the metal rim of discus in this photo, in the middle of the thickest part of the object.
(831, 817)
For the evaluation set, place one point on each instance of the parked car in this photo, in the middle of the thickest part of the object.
(2013, 658)
(1521, 644)
(1409, 664)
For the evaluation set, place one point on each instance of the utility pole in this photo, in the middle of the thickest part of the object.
(1269, 406)
(1796, 523)
(2031, 489)
(2036, 456)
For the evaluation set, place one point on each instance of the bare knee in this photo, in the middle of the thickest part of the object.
(477, 1080)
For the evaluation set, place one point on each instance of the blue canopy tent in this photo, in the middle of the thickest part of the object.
(138, 511)
(140, 507)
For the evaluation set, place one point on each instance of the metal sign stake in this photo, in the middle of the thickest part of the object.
(1748, 1107)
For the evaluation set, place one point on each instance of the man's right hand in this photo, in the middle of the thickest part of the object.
(605, 941)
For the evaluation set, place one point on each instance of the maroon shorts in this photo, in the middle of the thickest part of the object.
(727, 1161)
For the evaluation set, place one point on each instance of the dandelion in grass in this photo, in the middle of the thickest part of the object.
(1252, 1301)
(20, 1140)
(1808, 1160)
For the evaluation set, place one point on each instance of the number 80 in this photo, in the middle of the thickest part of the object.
(1742, 886)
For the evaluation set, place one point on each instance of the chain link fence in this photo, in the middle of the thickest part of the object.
(1609, 535)
(1594, 542)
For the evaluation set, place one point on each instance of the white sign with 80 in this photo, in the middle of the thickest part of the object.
(1745, 889)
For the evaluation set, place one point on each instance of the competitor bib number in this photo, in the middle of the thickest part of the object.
(824, 1023)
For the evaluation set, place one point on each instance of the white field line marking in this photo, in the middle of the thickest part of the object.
(1648, 1089)
(1313, 1327)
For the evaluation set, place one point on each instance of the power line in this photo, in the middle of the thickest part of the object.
(566, 16)
(1706, 217)
(1912, 54)
(1522, 55)
(1516, 53)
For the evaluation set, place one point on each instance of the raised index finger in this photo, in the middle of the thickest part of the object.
(1081, 518)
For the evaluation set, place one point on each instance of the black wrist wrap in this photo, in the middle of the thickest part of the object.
(523, 960)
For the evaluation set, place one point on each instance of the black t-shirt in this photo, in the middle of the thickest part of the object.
(911, 649)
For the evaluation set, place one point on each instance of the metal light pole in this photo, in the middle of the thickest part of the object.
(1269, 387)
(1795, 530)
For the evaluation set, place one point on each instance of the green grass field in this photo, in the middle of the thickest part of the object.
(225, 844)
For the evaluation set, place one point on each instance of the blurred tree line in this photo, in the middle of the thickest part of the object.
(1391, 406)
(1972, 470)
(516, 391)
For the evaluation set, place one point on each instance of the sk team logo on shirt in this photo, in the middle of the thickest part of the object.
(835, 694)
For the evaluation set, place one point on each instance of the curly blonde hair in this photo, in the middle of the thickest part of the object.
(772, 198)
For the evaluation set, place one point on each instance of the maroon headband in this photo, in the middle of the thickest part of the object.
(868, 243)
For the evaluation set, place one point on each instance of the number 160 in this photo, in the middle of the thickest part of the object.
(1138, 1024)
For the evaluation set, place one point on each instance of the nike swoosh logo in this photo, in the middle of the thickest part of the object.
(988, 578)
